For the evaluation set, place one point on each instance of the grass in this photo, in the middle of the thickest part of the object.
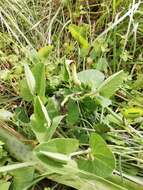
(63, 91)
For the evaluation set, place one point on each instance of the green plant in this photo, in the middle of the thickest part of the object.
(79, 99)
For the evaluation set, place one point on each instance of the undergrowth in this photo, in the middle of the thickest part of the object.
(71, 96)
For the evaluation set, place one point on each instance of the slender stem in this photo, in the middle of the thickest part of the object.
(16, 166)
(82, 152)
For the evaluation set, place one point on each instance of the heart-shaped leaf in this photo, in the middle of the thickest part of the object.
(102, 161)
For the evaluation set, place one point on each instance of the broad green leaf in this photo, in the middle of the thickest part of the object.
(42, 132)
(111, 84)
(60, 147)
(73, 112)
(86, 181)
(91, 77)
(14, 144)
(53, 107)
(39, 74)
(78, 179)
(30, 79)
(5, 115)
(4, 185)
(102, 154)
(41, 123)
(22, 177)
(25, 92)
(77, 35)
(40, 112)
(39, 128)
(102, 162)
